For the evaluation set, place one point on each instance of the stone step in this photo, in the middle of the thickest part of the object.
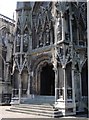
(35, 110)
(47, 105)
(42, 110)
(30, 112)
(42, 107)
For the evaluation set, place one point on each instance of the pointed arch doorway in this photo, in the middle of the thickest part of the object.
(47, 80)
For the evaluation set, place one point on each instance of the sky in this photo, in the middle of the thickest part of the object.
(7, 7)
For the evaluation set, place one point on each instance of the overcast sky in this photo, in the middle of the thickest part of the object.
(7, 7)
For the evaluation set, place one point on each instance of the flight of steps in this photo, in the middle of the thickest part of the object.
(45, 110)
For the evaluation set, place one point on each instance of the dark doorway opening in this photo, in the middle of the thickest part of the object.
(47, 83)
(84, 78)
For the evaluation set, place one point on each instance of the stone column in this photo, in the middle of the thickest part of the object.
(56, 83)
(6, 76)
(65, 90)
(28, 90)
(63, 26)
(51, 37)
(73, 90)
(19, 88)
(39, 83)
(21, 45)
(80, 97)
(38, 42)
(71, 36)
(21, 50)
(30, 43)
(80, 85)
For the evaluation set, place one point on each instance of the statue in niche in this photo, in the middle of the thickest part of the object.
(47, 33)
(25, 42)
(18, 38)
(26, 38)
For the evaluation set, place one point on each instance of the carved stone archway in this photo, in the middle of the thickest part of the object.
(43, 64)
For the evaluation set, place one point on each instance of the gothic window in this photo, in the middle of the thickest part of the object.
(4, 37)
(74, 30)
(3, 64)
(81, 30)
(40, 35)
(83, 11)
(67, 25)
(39, 31)
(69, 75)
(59, 29)
(34, 21)
(3, 41)
(42, 28)
(25, 40)
(52, 32)
(18, 41)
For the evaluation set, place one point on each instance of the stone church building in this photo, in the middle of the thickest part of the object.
(46, 54)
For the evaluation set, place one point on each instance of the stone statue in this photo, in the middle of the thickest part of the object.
(18, 39)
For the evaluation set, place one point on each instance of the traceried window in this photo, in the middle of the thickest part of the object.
(18, 40)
